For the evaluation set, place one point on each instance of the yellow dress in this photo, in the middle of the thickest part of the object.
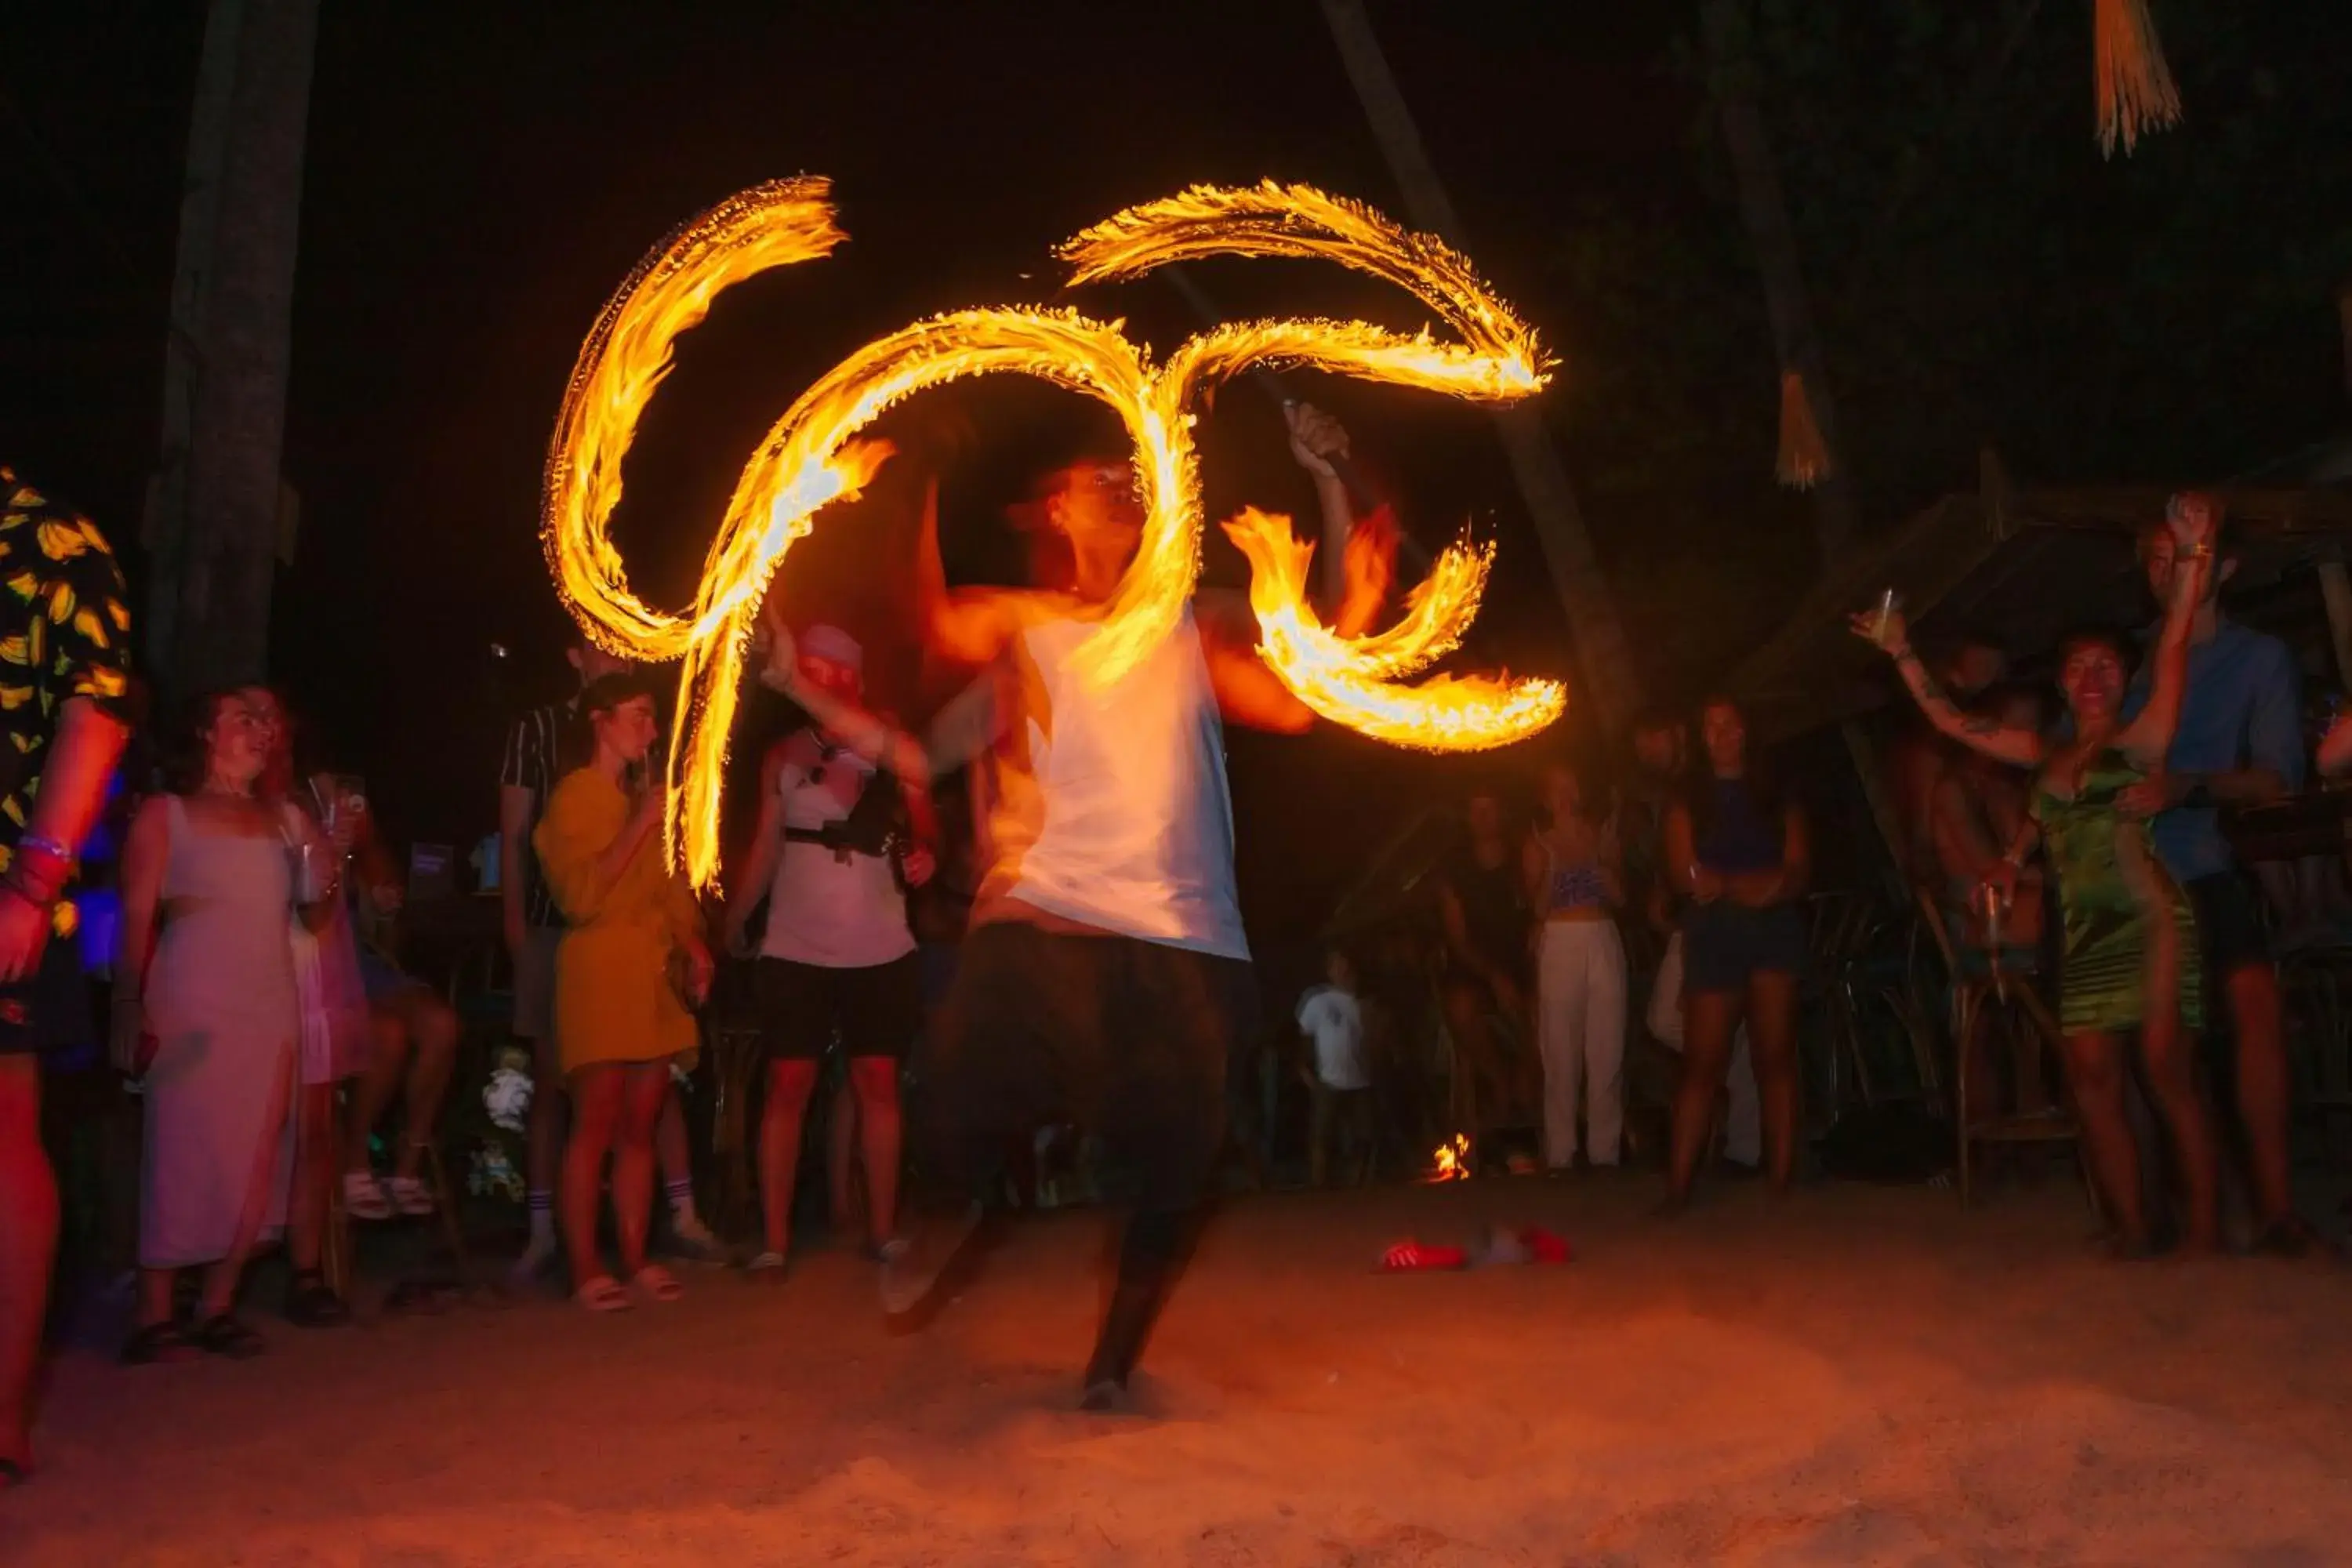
(613, 1000)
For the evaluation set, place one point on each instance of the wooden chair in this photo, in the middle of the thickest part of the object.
(1998, 1002)
(731, 1033)
(1853, 990)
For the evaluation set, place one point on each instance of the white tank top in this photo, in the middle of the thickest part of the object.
(825, 909)
(1132, 827)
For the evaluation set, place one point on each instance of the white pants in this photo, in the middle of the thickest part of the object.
(1743, 1127)
(1580, 1030)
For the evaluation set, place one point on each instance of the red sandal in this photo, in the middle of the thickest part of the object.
(1413, 1258)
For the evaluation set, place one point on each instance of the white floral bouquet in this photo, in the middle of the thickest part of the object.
(506, 1097)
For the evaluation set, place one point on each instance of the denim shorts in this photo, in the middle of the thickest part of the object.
(1724, 944)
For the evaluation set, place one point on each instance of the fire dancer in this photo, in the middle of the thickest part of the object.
(64, 718)
(1105, 968)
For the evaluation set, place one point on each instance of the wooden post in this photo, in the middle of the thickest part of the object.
(214, 512)
(1766, 213)
(1614, 686)
(2335, 592)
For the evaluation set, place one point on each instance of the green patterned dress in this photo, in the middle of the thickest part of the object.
(2111, 890)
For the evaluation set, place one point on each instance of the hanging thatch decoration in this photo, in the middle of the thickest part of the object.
(2136, 90)
(1804, 455)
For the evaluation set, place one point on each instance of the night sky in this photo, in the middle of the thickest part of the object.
(480, 176)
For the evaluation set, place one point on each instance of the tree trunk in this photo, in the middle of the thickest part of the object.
(1766, 213)
(1602, 652)
(212, 527)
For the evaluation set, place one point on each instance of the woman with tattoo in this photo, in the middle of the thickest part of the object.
(2130, 943)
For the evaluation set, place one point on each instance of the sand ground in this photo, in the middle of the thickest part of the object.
(1856, 1375)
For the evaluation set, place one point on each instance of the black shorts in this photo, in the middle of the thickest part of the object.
(1129, 1038)
(879, 1010)
(1724, 944)
(2229, 932)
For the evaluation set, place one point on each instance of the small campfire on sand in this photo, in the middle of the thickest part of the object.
(1450, 1162)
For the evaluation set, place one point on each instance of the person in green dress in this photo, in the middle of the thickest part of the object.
(2129, 955)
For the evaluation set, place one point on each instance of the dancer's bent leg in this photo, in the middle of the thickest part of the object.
(1171, 1020)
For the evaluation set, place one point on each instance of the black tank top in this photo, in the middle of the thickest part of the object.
(1494, 907)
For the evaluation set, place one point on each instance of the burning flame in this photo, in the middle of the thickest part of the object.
(1451, 1162)
(1347, 680)
(815, 455)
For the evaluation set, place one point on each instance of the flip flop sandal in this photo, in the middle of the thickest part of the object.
(409, 1196)
(1413, 1258)
(655, 1283)
(224, 1336)
(363, 1198)
(603, 1294)
(767, 1268)
(156, 1344)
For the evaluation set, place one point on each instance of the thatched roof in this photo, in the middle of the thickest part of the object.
(2019, 568)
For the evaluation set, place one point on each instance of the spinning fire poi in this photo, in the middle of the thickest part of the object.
(815, 454)
(1105, 969)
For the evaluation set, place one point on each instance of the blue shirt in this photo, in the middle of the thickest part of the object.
(1741, 836)
(2242, 708)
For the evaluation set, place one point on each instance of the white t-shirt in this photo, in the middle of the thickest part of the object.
(1124, 825)
(825, 909)
(1334, 1020)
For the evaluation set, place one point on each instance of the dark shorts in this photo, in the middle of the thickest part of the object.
(1723, 944)
(1130, 1040)
(47, 1014)
(877, 1009)
(382, 980)
(2229, 932)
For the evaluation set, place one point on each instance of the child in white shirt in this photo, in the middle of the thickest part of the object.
(1338, 1085)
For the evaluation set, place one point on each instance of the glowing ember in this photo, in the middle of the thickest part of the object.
(813, 455)
(1451, 1162)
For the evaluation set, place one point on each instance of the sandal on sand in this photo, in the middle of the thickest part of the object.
(409, 1196)
(655, 1283)
(603, 1294)
(224, 1336)
(363, 1196)
(767, 1268)
(157, 1343)
(312, 1303)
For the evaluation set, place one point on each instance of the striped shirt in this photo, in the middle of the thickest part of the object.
(534, 760)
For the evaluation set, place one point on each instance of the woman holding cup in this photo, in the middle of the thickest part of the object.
(2130, 956)
(207, 1015)
(633, 960)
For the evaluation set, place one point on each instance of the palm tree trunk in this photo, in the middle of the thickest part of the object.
(212, 522)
